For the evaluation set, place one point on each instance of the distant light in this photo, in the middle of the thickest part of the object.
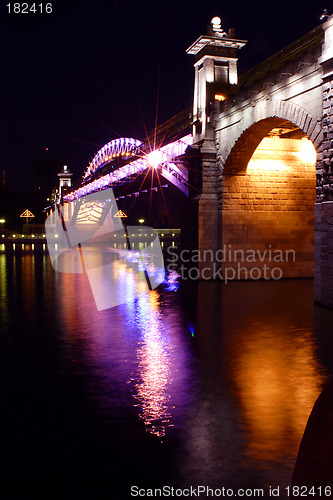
(121, 214)
(155, 158)
(27, 214)
(46, 149)
(2, 221)
(220, 97)
(141, 221)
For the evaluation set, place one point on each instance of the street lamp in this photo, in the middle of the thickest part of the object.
(2, 221)
(141, 221)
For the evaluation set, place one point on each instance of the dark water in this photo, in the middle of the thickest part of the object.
(209, 385)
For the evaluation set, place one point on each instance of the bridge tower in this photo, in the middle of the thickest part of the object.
(215, 77)
(65, 180)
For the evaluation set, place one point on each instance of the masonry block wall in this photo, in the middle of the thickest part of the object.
(268, 211)
(325, 157)
(324, 205)
(324, 192)
(324, 253)
(209, 221)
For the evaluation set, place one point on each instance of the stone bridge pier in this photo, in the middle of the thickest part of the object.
(266, 145)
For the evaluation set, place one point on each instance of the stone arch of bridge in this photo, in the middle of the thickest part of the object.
(268, 208)
(253, 127)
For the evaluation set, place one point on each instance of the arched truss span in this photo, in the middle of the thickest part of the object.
(124, 146)
(169, 166)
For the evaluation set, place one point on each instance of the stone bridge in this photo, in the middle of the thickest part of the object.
(265, 143)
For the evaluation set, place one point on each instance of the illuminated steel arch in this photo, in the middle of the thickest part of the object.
(124, 146)
(168, 165)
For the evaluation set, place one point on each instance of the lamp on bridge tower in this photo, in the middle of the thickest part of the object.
(215, 73)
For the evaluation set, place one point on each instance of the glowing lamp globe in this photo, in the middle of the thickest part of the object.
(155, 158)
(216, 20)
(216, 23)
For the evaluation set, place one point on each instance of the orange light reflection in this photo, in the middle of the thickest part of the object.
(277, 389)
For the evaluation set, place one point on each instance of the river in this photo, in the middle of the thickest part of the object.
(203, 384)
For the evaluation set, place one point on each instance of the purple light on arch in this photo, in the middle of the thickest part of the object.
(116, 147)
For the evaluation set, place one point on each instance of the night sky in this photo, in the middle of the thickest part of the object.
(97, 69)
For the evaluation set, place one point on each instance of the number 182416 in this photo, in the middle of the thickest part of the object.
(26, 8)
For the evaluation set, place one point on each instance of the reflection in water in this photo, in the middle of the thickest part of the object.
(314, 463)
(275, 368)
(223, 377)
(278, 378)
(20, 288)
(159, 385)
(172, 281)
(3, 289)
(258, 344)
(28, 282)
(136, 342)
(261, 373)
(155, 367)
(113, 280)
